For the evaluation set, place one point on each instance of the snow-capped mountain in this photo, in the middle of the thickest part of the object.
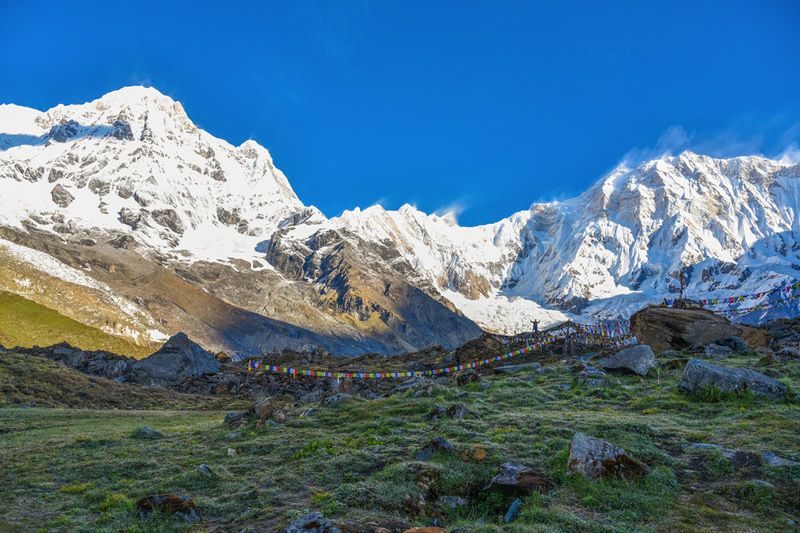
(129, 192)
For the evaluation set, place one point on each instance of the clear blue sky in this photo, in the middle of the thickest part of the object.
(484, 105)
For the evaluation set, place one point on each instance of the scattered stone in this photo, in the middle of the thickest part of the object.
(597, 459)
(311, 523)
(235, 418)
(231, 452)
(700, 374)
(437, 413)
(205, 471)
(524, 367)
(513, 511)
(774, 460)
(469, 376)
(263, 408)
(181, 506)
(146, 432)
(565, 386)
(762, 483)
(425, 530)
(458, 411)
(452, 502)
(518, 479)
(232, 435)
(474, 453)
(336, 399)
(279, 416)
(638, 359)
(437, 444)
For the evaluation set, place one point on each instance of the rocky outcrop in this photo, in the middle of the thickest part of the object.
(637, 359)
(179, 358)
(664, 328)
(699, 375)
(61, 196)
(597, 459)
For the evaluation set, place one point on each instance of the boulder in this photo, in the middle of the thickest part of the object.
(638, 359)
(699, 374)
(146, 433)
(597, 459)
(311, 523)
(181, 506)
(664, 328)
(518, 479)
(178, 359)
(337, 398)
(775, 460)
(711, 351)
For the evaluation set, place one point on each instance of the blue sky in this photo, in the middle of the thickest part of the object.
(484, 107)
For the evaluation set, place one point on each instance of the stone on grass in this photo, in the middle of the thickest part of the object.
(597, 459)
(469, 376)
(234, 418)
(336, 399)
(146, 432)
(425, 530)
(699, 375)
(181, 506)
(518, 479)
(458, 411)
(474, 453)
(263, 408)
(452, 502)
(774, 460)
(513, 511)
(638, 359)
(311, 523)
(231, 452)
(205, 470)
(437, 444)
(716, 351)
(734, 342)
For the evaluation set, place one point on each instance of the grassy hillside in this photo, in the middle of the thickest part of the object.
(35, 381)
(26, 323)
(82, 470)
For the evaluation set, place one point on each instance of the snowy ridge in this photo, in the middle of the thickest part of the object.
(132, 169)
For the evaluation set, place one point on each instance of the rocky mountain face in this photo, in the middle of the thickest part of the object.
(124, 215)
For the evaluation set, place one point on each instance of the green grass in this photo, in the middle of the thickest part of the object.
(76, 470)
(25, 323)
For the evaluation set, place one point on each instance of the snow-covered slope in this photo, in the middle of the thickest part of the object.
(132, 172)
(133, 162)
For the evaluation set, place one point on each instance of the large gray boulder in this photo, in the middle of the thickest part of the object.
(637, 359)
(699, 374)
(179, 358)
(597, 459)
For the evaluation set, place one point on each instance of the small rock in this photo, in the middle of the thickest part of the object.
(205, 471)
(311, 523)
(263, 408)
(565, 386)
(774, 460)
(279, 416)
(437, 413)
(597, 459)
(452, 502)
(232, 435)
(235, 418)
(337, 398)
(475, 452)
(670, 354)
(519, 479)
(437, 444)
(513, 511)
(231, 452)
(458, 411)
(716, 351)
(638, 359)
(181, 506)
(146, 432)
(469, 376)
(762, 483)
